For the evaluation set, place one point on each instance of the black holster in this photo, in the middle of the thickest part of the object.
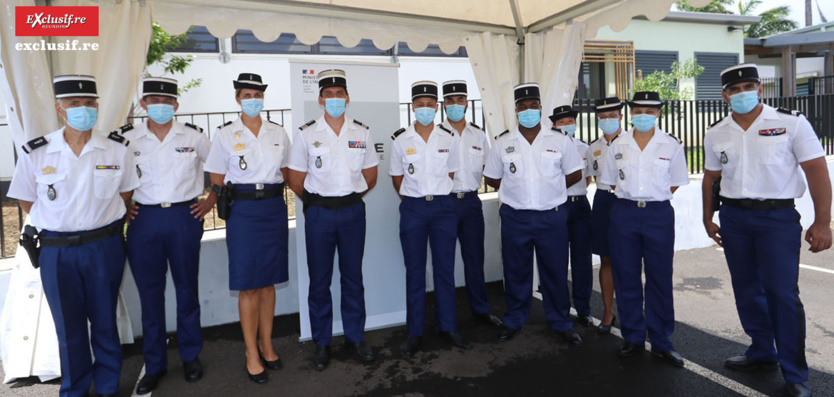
(716, 198)
(224, 201)
(29, 240)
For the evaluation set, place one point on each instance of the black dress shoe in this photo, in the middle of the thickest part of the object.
(605, 329)
(671, 356)
(321, 357)
(361, 351)
(506, 334)
(457, 340)
(273, 365)
(798, 390)
(572, 337)
(744, 363)
(149, 383)
(587, 321)
(411, 345)
(489, 319)
(193, 370)
(629, 349)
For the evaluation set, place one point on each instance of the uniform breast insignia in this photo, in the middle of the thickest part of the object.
(411, 168)
(108, 167)
(477, 148)
(551, 151)
(137, 153)
(772, 132)
(240, 146)
(184, 149)
(237, 135)
(446, 129)
(34, 144)
(138, 171)
(316, 144)
(597, 153)
(357, 144)
(242, 163)
(48, 170)
(512, 167)
(51, 194)
(724, 158)
(318, 162)
(622, 175)
(410, 151)
(194, 127)
(115, 136)
(309, 123)
(442, 150)
(596, 165)
(397, 133)
(361, 124)
(618, 156)
(510, 149)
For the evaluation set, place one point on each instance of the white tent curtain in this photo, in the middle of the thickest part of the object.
(552, 58)
(495, 61)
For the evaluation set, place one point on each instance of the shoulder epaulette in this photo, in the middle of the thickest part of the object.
(502, 134)
(225, 124)
(446, 129)
(194, 127)
(595, 141)
(115, 136)
(272, 122)
(125, 128)
(476, 126)
(673, 137)
(558, 130)
(34, 144)
(713, 124)
(361, 124)
(613, 139)
(397, 133)
(309, 123)
(788, 111)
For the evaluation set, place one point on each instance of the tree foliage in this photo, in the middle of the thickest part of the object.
(774, 20)
(666, 84)
(714, 7)
(161, 43)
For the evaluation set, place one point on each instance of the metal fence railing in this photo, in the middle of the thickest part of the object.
(821, 85)
(688, 120)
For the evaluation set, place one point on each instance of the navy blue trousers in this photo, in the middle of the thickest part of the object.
(644, 237)
(431, 223)
(325, 231)
(82, 284)
(470, 216)
(156, 238)
(522, 231)
(762, 250)
(581, 266)
(601, 221)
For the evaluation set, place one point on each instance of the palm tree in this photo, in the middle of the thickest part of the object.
(714, 7)
(773, 20)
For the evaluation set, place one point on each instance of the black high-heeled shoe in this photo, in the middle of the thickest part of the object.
(257, 378)
(273, 365)
(606, 329)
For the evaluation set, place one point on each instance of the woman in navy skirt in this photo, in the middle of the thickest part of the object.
(253, 155)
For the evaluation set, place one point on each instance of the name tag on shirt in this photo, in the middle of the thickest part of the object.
(772, 132)
(184, 149)
(357, 144)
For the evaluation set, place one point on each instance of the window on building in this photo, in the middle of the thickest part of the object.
(591, 81)
(198, 39)
(708, 84)
(650, 61)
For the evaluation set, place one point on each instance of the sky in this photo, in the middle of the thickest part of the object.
(798, 9)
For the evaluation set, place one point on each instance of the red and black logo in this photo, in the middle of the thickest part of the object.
(56, 21)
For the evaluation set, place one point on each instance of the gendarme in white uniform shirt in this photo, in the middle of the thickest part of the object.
(171, 170)
(473, 147)
(533, 176)
(264, 155)
(333, 163)
(596, 159)
(581, 188)
(762, 162)
(425, 166)
(86, 187)
(646, 175)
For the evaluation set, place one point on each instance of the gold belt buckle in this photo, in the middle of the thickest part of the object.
(165, 205)
(641, 204)
(461, 195)
(429, 198)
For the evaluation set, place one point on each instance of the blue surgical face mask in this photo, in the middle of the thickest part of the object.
(530, 117)
(455, 112)
(252, 106)
(424, 116)
(609, 126)
(643, 122)
(335, 107)
(569, 129)
(161, 112)
(82, 118)
(744, 102)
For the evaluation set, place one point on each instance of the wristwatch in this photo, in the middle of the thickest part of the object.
(216, 189)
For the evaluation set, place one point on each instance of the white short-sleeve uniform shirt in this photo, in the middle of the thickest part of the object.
(473, 147)
(425, 166)
(245, 158)
(596, 158)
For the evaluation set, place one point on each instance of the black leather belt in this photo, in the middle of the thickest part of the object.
(331, 203)
(169, 205)
(80, 238)
(574, 199)
(644, 204)
(751, 204)
(261, 191)
(606, 190)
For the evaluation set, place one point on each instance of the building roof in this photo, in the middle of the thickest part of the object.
(709, 18)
